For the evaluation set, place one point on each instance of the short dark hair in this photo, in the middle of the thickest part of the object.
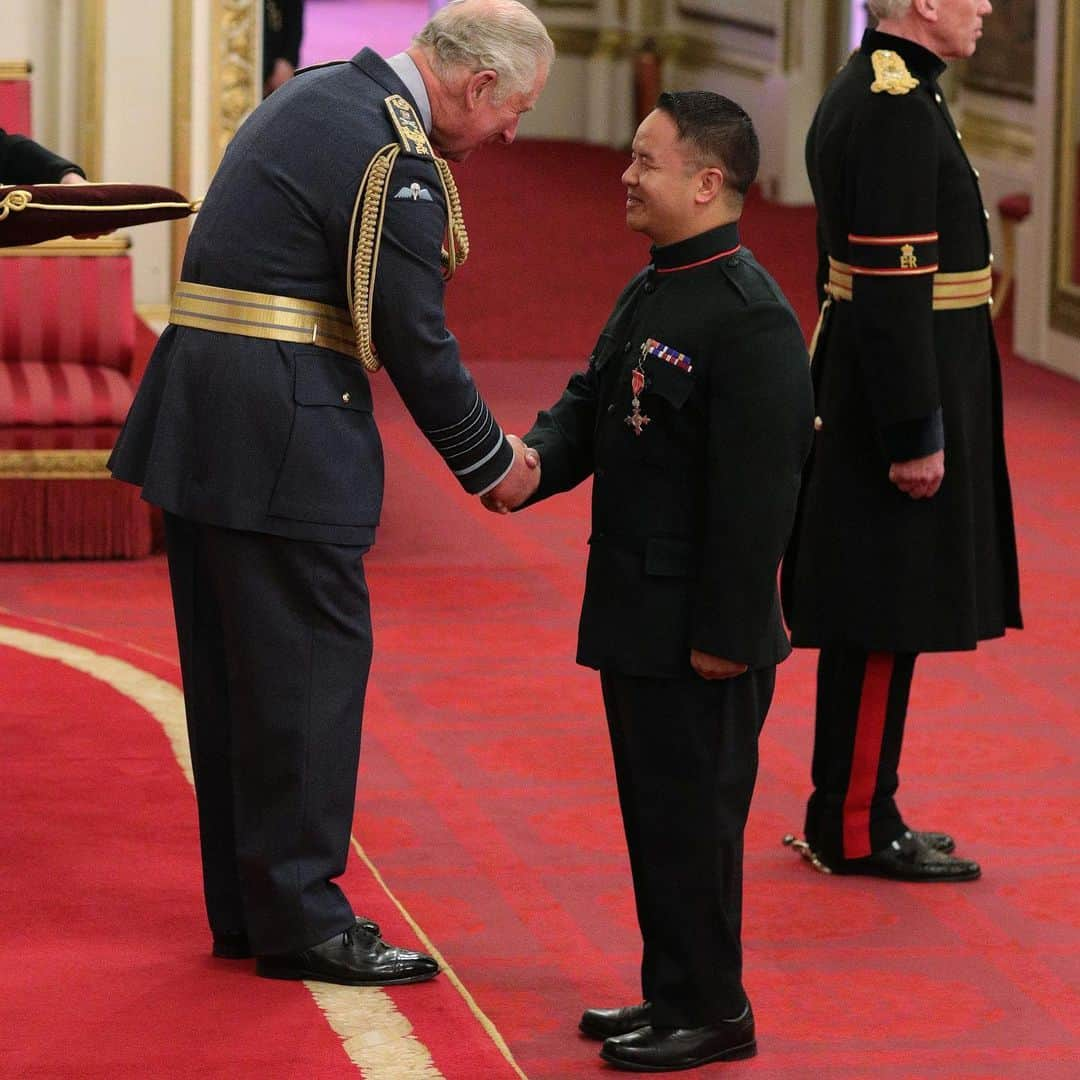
(720, 132)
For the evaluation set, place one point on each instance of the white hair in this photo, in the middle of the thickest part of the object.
(889, 9)
(498, 35)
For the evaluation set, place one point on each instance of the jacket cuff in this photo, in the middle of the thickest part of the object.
(912, 439)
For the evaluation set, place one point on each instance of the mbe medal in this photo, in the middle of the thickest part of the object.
(637, 419)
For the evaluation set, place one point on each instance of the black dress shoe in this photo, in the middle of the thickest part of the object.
(234, 944)
(604, 1023)
(909, 858)
(355, 957)
(939, 841)
(663, 1049)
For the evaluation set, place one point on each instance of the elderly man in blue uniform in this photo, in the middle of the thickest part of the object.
(694, 418)
(904, 541)
(318, 247)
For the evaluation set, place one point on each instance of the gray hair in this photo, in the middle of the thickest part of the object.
(479, 35)
(889, 9)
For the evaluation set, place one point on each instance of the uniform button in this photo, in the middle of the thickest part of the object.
(626, 347)
(991, 258)
(986, 214)
(650, 287)
(976, 172)
(610, 409)
(818, 425)
(958, 135)
(937, 98)
(990, 301)
(733, 262)
(346, 397)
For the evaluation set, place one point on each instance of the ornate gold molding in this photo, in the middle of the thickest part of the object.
(181, 126)
(234, 82)
(12, 70)
(91, 86)
(54, 464)
(1064, 292)
(994, 137)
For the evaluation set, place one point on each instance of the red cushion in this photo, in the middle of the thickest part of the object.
(47, 395)
(1015, 207)
(69, 309)
(30, 213)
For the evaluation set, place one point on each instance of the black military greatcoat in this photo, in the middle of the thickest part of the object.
(902, 368)
(689, 518)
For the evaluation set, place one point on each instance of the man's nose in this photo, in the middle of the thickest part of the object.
(629, 176)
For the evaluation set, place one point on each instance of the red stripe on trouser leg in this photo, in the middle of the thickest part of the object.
(866, 755)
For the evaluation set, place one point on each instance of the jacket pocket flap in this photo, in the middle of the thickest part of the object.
(671, 383)
(666, 557)
(324, 378)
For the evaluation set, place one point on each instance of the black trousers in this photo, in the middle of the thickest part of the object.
(686, 757)
(275, 647)
(862, 701)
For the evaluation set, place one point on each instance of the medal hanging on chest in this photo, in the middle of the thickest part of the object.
(637, 419)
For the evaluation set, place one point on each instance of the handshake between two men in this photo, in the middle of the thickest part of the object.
(519, 484)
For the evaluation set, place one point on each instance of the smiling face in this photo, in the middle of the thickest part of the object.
(479, 117)
(664, 192)
(957, 26)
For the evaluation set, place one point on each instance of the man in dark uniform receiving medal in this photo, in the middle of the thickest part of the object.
(694, 417)
(317, 258)
(904, 541)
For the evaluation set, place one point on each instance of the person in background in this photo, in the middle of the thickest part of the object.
(904, 541)
(283, 30)
(23, 161)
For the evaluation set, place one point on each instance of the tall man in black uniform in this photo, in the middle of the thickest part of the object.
(253, 429)
(694, 418)
(904, 541)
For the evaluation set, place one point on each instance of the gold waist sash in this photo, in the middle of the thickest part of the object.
(262, 315)
(971, 288)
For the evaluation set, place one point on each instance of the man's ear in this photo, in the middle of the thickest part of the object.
(710, 185)
(479, 83)
(928, 9)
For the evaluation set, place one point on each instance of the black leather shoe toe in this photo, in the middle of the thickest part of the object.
(604, 1023)
(660, 1049)
(909, 858)
(234, 944)
(355, 957)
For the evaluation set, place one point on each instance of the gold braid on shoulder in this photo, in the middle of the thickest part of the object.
(457, 239)
(365, 236)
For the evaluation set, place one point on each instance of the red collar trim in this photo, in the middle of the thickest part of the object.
(700, 262)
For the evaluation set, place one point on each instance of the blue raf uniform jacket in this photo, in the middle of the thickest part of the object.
(276, 437)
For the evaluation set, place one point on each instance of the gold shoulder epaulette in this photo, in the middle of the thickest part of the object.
(890, 73)
(407, 124)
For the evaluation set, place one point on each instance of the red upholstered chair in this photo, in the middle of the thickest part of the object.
(67, 347)
(15, 95)
(1012, 209)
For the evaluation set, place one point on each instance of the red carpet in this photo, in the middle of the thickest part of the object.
(487, 802)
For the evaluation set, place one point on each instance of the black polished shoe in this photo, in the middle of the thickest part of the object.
(355, 957)
(663, 1049)
(909, 858)
(939, 841)
(604, 1023)
(234, 944)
